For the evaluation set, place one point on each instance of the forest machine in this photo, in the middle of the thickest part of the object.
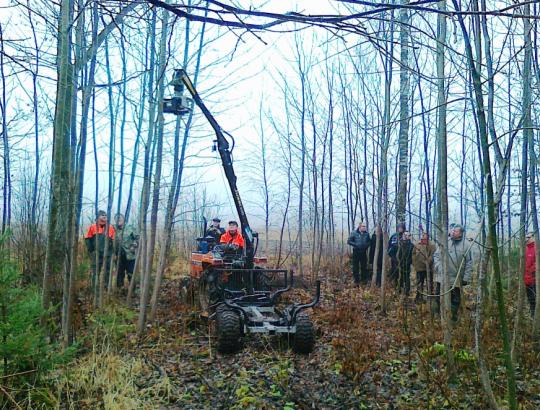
(233, 285)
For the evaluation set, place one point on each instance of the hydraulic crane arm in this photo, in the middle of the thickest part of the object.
(177, 105)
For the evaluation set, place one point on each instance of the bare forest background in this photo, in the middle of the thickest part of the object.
(423, 112)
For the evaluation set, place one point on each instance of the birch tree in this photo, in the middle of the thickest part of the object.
(404, 97)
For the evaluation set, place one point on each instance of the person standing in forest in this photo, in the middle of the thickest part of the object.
(530, 271)
(422, 259)
(360, 241)
(459, 272)
(96, 241)
(126, 244)
(377, 234)
(393, 245)
(232, 237)
(215, 231)
(404, 260)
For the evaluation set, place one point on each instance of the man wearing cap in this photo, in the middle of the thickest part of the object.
(215, 231)
(393, 247)
(232, 237)
(95, 240)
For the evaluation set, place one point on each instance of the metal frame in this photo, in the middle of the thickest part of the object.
(258, 308)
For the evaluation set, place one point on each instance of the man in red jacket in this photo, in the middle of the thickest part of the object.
(233, 237)
(530, 271)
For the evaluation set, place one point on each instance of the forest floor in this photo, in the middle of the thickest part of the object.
(363, 359)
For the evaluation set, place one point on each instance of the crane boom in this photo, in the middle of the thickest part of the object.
(177, 106)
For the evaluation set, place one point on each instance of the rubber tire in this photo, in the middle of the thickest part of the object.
(203, 297)
(208, 293)
(228, 330)
(304, 338)
(189, 294)
(262, 282)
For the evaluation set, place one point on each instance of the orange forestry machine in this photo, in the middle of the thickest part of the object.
(231, 282)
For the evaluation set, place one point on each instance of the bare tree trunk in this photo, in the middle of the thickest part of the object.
(404, 96)
(383, 182)
(317, 227)
(79, 160)
(122, 124)
(443, 184)
(6, 208)
(492, 222)
(534, 214)
(529, 135)
(303, 80)
(169, 216)
(176, 185)
(35, 76)
(55, 259)
(490, 81)
(145, 192)
(331, 226)
(266, 193)
(145, 289)
(425, 187)
(478, 326)
(111, 285)
(96, 162)
(526, 108)
(289, 166)
(142, 101)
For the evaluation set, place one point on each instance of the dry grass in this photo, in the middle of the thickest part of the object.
(111, 381)
(107, 378)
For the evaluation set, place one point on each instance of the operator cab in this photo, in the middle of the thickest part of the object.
(231, 254)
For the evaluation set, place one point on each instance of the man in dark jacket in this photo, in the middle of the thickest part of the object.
(215, 231)
(393, 245)
(360, 242)
(404, 260)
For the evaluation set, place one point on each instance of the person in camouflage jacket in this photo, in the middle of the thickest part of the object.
(126, 244)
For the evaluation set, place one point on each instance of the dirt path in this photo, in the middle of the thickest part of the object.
(362, 359)
(265, 374)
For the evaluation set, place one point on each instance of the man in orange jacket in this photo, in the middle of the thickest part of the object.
(232, 236)
(95, 240)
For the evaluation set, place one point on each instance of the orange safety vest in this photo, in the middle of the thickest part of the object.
(96, 229)
(230, 239)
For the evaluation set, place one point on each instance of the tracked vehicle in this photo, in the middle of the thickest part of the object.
(232, 285)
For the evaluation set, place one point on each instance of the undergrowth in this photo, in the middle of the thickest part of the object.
(107, 376)
(27, 355)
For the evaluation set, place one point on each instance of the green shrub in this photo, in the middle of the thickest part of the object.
(26, 353)
(23, 345)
